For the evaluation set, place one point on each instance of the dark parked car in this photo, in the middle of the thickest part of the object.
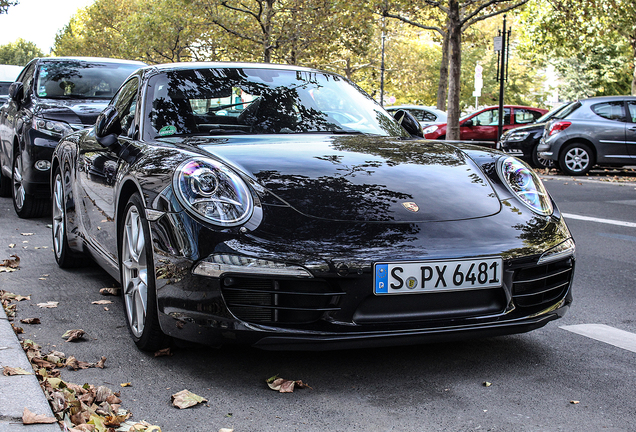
(280, 206)
(425, 115)
(523, 141)
(483, 125)
(599, 130)
(52, 97)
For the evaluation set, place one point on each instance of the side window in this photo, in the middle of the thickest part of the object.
(610, 110)
(125, 101)
(632, 110)
(491, 118)
(428, 116)
(523, 116)
(417, 114)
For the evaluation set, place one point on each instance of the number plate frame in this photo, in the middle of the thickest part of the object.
(418, 277)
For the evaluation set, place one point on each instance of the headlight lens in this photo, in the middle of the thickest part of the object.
(526, 185)
(517, 136)
(213, 192)
(56, 129)
(430, 129)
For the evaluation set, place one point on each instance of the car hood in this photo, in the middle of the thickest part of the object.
(84, 111)
(361, 178)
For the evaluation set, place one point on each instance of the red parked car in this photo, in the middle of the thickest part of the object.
(482, 125)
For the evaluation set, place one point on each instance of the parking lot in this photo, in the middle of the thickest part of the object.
(552, 379)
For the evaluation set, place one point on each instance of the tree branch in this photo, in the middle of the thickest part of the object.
(413, 23)
(472, 19)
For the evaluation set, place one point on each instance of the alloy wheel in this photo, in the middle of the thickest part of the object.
(58, 216)
(135, 272)
(577, 159)
(19, 193)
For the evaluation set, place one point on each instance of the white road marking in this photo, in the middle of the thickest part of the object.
(605, 221)
(604, 333)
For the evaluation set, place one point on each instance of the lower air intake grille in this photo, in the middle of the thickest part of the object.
(295, 301)
(543, 284)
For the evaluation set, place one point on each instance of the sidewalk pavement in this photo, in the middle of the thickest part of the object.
(19, 391)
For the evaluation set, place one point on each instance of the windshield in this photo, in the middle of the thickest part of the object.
(75, 79)
(220, 101)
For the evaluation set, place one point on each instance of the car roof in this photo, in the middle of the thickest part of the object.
(608, 98)
(92, 59)
(233, 65)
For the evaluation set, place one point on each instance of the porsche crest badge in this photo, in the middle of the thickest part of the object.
(411, 206)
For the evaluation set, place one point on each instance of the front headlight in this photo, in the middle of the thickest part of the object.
(56, 129)
(430, 129)
(213, 192)
(525, 184)
(517, 136)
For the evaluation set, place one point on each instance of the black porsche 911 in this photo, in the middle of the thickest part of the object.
(282, 207)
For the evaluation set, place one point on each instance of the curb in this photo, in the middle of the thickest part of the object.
(19, 391)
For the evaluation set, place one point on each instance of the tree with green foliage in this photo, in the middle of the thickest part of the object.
(19, 52)
(5, 4)
(450, 20)
(154, 31)
(306, 32)
(591, 43)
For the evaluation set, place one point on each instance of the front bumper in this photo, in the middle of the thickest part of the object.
(331, 305)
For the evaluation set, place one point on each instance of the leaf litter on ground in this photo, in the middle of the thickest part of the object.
(78, 408)
(283, 385)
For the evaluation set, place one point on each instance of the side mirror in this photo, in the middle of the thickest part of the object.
(16, 91)
(409, 123)
(468, 123)
(108, 127)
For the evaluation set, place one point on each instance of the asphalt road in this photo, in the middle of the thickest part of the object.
(440, 387)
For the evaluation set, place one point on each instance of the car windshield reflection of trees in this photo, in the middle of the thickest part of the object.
(287, 104)
(80, 80)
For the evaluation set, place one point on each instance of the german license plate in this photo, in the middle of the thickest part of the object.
(436, 276)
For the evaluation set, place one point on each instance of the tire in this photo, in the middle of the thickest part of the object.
(138, 278)
(5, 186)
(576, 159)
(539, 162)
(65, 257)
(26, 206)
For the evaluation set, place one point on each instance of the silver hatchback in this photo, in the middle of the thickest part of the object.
(595, 131)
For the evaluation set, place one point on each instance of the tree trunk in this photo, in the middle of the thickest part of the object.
(455, 66)
(442, 86)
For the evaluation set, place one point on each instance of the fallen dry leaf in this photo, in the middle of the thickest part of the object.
(186, 399)
(27, 234)
(125, 384)
(17, 330)
(109, 291)
(574, 402)
(10, 371)
(50, 304)
(30, 321)
(12, 245)
(73, 335)
(163, 352)
(487, 384)
(101, 302)
(13, 262)
(31, 418)
(283, 385)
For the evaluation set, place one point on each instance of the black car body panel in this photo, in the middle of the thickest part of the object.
(328, 208)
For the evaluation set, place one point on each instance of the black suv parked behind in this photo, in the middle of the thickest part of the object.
(51, 98)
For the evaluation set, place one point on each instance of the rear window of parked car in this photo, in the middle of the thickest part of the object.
(610, 110)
